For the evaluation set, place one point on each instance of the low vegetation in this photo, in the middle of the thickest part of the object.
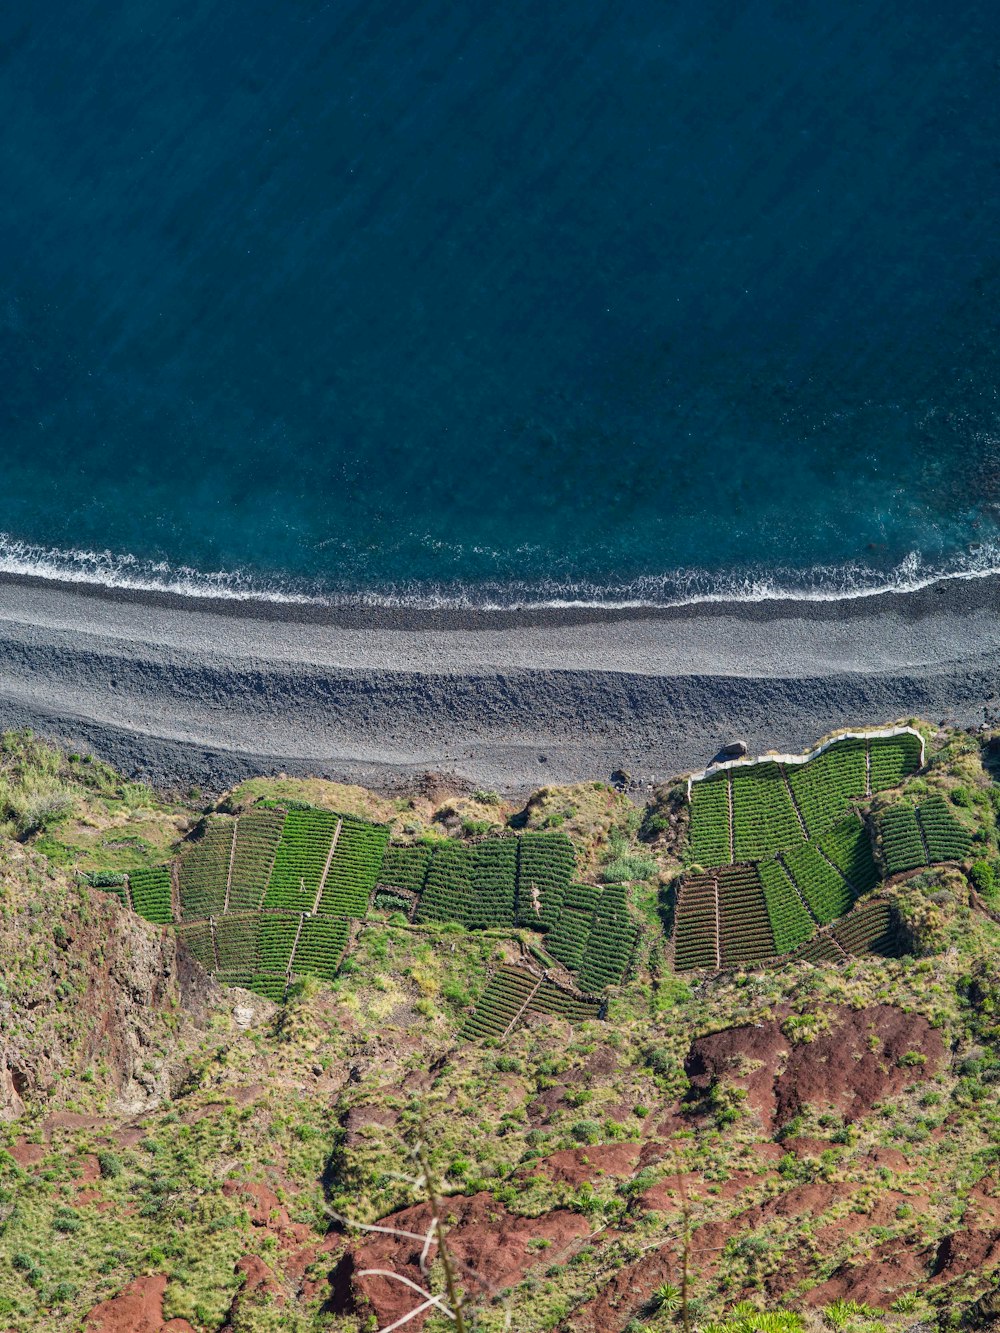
(644, 1090)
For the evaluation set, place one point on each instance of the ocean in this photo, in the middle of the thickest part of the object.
(500, 304)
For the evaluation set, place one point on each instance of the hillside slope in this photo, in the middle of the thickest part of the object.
(180, 1154)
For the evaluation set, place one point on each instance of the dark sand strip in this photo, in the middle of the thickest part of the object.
(181, 690)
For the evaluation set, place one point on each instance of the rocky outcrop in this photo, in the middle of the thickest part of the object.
(856, 1057)
(124, 975)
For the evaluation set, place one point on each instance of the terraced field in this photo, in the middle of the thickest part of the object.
(513, 993)
(782, 848)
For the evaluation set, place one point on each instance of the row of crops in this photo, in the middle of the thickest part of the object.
(913, 836)
(696, 924)
(745, 934)
(512, 993)
(500, 882)
(751, 811)
(151, 894)
(263, 950)
(611, 942)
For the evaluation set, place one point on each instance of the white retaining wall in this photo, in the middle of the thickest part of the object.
(714, 770)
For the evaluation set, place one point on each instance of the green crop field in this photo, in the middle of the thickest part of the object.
(609, 946)
(237, 941)
(447, 894)
(546, 863)
(764, 818)
(892, 759)
(494, 883)
(745, 934)
(869, 929)
(500, 1003)
(820, 883)
(258, 834)
(277, 939)
(321, 946)
(710, 821)
(405, 867)
(203, 870)
(354, 868)
(849, 846)
(696, 927)
(902, 845)
(513, 992)
(825, 786)
(197, 936)
(791, 922)
(300, 859)
(568, 938)
(946, 838)
(150, 893)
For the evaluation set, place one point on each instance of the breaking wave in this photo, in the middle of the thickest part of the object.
(823, 583)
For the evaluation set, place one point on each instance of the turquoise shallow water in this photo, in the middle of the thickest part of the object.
(499, 303)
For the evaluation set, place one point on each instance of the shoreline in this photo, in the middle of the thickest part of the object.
(183, 691)
(971, 588)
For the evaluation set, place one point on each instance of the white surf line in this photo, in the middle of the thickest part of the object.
(878, 733)
(326, 868)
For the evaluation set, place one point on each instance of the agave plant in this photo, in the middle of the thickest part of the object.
(667, 1297)
(747, 1318)
(840, 1313)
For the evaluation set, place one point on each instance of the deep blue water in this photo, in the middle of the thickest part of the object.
(512, 301)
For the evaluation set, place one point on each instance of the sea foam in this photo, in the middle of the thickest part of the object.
(685, 587)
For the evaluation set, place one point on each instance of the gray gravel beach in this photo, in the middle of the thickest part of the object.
(179, 690)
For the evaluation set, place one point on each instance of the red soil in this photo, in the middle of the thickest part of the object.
(490, 1247)
(138, 1308)
(846, 1069)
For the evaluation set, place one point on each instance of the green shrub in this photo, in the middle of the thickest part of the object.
(110, 1164)
(629, 866)
(984, 878)
(586, 1131)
